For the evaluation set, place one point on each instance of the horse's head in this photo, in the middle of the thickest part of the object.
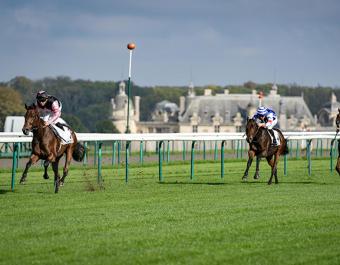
(251, 130)
(31, 119)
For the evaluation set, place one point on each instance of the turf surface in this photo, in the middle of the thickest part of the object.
(204, 221)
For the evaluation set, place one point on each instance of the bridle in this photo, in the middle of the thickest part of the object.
(34, 128)
(256, 132)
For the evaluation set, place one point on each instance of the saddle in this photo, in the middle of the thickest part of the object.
(277, 133)
(63, 132)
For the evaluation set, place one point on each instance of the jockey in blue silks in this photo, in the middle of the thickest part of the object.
(266, 117)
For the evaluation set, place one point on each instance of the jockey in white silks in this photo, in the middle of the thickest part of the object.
(266, 117)
(49, 108)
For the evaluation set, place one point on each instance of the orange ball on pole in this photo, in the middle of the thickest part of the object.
(131, 46)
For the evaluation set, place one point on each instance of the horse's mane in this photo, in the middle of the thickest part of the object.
(251, 121)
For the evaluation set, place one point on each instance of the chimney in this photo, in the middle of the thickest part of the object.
(181, 104)
(137, 111)
(207, 92)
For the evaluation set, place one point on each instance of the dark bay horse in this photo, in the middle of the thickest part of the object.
(48, 147)
(260, 145)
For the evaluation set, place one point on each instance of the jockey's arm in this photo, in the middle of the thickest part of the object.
(271, 121)
(56, 112)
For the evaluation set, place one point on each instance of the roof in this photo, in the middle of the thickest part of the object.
(227, 106)
(167, 106)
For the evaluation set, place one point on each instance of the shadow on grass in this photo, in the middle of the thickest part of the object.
(262, 183)
(193, 183)
(4, 191)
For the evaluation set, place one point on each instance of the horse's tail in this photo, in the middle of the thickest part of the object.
(286, 149)
(78, 152)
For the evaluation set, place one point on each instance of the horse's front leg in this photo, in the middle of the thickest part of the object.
(46, 164)
(274, 170)
(251, 155)
(67, 165)
(56, 175)
(33, 159)
(257, 173)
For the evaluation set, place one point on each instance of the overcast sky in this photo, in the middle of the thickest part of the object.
(218, 42)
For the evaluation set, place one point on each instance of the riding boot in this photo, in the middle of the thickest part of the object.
(271, 131)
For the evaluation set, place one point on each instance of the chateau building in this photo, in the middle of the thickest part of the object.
(216, 113)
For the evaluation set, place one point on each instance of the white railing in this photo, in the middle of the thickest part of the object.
(307, 137)
(21, 138)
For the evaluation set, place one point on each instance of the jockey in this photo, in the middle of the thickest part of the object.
(266, 117)
(49, 108)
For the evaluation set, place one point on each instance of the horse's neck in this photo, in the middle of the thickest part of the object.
(41, 130)
(261, 136)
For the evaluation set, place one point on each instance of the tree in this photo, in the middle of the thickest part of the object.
(10, 104)
(75, 123)
(250, 84)
(25, 87)
(105, 126)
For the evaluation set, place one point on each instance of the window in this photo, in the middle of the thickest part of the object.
(195, 128)
(217, 128)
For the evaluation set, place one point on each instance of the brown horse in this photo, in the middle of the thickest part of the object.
(337, 122)
(260, 145)
(48, 147)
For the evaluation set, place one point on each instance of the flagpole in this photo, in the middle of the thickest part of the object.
(131, 46)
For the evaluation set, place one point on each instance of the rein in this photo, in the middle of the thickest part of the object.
(256, 132)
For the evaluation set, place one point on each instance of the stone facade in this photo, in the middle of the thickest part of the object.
(215, 113)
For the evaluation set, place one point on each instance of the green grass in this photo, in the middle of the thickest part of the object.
(204, 221)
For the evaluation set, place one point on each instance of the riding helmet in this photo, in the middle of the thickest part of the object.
(42, 96)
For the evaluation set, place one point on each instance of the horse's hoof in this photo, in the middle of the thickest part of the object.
(269, 183)
(256, 176)
(61, 184)
(46, 176)
(22, 181)
(244, 178)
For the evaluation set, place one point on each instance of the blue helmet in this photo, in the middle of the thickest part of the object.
(262, 111)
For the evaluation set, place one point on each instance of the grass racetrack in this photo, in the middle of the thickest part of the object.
(204, 221)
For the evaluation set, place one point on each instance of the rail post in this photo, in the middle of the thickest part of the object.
(95, 152)
(204, 154)
(160, 161)
(85, 154)
(127, 148)
(168, 152)
(141, 152)
(113, 152)
(237, 148)
(309, 157)
(119, 145)
(192, 160)
(99, 177)
(183, 151)
(222, 159)
(14, 164)
(241, 151)
(331, 156)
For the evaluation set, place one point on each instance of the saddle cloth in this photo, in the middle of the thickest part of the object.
(62, 130)
(277, 137)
